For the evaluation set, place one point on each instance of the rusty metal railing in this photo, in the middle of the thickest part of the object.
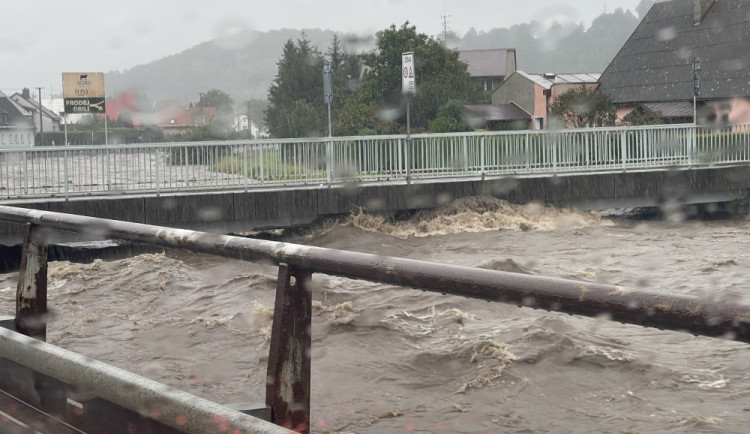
(288, 388)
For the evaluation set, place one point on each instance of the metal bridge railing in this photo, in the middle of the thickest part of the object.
(46, 172)
(288, 385)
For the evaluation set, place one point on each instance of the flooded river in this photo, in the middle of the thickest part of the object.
(390, 360)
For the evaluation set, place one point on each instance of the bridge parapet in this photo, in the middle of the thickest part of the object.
(175, 168)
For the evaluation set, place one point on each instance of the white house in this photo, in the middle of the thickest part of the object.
(16, 126)
(243, 123)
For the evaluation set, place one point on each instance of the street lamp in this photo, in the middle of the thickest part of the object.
(696, 85)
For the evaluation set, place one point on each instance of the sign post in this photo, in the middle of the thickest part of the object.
(328, 96)
(408, 87)
(83, 92)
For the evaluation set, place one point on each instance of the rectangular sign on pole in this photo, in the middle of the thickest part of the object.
(408, 85)
(83, 92)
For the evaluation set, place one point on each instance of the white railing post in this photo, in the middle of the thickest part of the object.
(65, 170)
(25, 175)
(692, 145)
(329, 160)
(482, 156)
(244, 165)
(466, 156)
(554, 152)
(623, 149)
(262, 166)
(528, 153)
(158, 163)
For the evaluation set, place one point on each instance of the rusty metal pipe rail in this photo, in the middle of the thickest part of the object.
(180, 410)
(652, 309)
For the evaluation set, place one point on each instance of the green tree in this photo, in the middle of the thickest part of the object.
(450, 118)
(440, 76)
(643, 116)
(297, 90)
(221, 124)
(584, 107)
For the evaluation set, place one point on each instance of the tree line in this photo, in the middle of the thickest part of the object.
(367, 96)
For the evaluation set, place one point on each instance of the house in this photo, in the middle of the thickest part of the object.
(16, 126)
(50, 121)
(489, 67)
(534, 93)
(123, 108)
(243, 123)
(174, 117)
(654, 69)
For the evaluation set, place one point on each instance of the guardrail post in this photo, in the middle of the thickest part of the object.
(288, 374)
(158, 173)
(692, 146)
(31, 293)
(25, 174)
(465, 155)
(624, 149)
(65, 168)
(482, 156)
(329, 161)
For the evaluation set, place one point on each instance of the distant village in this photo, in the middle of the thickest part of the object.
(653, 73)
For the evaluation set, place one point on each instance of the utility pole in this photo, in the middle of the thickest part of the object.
(41, 120)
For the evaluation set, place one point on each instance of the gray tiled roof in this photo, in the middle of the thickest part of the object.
(547, 80)
(498, 112)
(655, 64)
(680, 109)
(485, 63)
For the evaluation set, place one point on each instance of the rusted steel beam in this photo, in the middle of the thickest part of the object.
(31, 293)
(288, 374)
(174, 408)
(654, 309)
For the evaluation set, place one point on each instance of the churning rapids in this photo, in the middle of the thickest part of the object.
(389, 359)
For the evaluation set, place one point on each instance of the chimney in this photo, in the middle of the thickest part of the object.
(700, 9)
(25, 93)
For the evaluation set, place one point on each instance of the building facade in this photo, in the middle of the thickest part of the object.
(534, 93)
(654, 68)
(16, 127)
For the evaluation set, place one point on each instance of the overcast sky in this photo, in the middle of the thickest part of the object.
(40, 39)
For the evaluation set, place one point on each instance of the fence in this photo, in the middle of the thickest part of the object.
(48, 172)
(288, 384)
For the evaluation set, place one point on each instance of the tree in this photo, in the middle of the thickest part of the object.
(584, 107)
(222, 122)
(440, 76)
(643, 116)
(297, 89)
(450, 118)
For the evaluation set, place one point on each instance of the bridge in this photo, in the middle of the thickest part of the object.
(231, 186)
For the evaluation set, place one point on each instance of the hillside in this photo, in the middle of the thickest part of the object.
(245, 67)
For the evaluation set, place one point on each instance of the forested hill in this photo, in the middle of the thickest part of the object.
(245, 66)
(559, 48)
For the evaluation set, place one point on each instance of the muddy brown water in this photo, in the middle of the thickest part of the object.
(389, 359)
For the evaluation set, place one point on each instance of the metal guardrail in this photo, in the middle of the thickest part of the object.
(288, 386)
(46, 172)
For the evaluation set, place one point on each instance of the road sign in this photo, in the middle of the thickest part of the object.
(408, 84)
(83, 92)
(327, 83)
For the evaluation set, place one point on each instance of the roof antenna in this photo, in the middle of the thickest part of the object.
(445, 26)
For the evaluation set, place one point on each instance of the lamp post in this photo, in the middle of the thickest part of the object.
(696, 86)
